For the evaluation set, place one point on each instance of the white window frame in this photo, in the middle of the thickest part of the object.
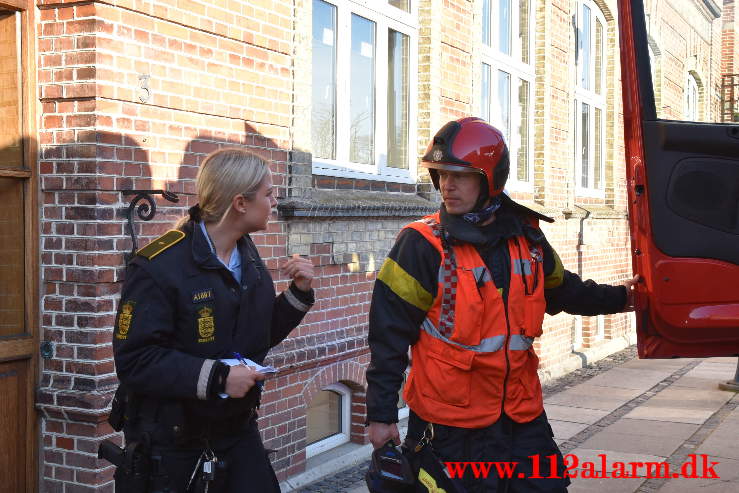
(511, 64)
(385, 17)
(692, 113)
(346, 414)
(592, 99)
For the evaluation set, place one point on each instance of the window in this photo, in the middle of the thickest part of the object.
(323, 128)
(328, 419)
(691, 99)
(507, 77)
(364, 89)
(590, 89)
(653, 72)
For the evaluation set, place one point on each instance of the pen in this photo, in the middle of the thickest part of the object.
(240, 358)
(243, 362)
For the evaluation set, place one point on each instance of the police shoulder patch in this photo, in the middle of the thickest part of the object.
(171, 237)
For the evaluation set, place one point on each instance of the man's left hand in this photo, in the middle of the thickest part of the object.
(630, 286)
(300, 270)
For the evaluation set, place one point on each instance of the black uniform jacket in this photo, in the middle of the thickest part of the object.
(395, 323)
(182, 310)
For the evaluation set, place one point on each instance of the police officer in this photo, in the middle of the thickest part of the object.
(196, 296)
(467, 288)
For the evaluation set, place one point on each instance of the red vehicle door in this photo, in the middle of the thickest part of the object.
(683, 189)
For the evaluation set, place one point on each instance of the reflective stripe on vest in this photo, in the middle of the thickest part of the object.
(517, 342)
(489, 345)
(520, 342)
(482, 275)
(524, 265)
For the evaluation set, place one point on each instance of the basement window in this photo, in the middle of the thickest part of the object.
(328, 419)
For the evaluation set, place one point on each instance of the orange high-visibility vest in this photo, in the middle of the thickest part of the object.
(473, 360)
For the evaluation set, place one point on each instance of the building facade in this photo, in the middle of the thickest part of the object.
(104, 100)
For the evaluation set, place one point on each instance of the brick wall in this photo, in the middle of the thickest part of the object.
(135, 94)
(729, 51)
(689, 40)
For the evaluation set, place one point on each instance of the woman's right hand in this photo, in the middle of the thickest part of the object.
(241, 379)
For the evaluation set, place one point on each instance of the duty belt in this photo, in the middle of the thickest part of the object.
(197, 428)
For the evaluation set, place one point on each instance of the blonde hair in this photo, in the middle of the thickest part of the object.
(224, 174)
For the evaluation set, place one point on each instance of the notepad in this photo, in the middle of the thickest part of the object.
(261, 369)
(267, 370)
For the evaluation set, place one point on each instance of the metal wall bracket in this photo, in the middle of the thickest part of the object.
(145, 211)
(47, 349)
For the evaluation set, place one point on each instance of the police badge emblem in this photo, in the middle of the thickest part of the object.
(124, 319)
(206, 325)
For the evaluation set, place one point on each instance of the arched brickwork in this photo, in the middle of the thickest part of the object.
(351, 374)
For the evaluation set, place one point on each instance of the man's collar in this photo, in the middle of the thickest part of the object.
(505, 225)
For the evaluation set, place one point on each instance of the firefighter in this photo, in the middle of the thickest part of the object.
(466, 289)
(192, 299)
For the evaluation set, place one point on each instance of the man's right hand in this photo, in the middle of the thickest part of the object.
(380, 433)
(241, 379)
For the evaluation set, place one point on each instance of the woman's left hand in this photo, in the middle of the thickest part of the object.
(300, 270)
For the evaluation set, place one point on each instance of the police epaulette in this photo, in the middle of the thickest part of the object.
(157, 246)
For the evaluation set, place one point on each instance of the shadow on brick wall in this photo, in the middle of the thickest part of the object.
(84, 237)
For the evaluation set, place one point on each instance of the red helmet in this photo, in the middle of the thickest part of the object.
(469, 145)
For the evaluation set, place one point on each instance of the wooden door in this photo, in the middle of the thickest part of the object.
(18, 249)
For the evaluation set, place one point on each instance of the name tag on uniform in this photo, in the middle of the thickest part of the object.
(202, 295)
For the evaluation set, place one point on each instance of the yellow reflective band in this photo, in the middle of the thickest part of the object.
(556, 278)
(429, 482)
(404, 285)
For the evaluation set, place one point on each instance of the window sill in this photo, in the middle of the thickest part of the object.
(356, 203)
(596, 212)
(338, 169)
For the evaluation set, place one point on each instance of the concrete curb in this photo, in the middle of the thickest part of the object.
(331, 467)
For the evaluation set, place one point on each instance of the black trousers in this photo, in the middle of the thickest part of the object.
(539, 465)
(243, 465)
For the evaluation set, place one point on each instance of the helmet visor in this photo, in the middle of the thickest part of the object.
(451, 167)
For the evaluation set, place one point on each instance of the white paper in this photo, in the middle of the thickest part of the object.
(261, 369)
(267, 370)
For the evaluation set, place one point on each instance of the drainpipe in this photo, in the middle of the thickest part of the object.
(580, 239)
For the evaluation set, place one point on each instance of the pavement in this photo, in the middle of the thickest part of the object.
(628, 411)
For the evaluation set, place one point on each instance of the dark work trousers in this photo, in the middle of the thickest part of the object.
(245, 466)
(503, 441)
